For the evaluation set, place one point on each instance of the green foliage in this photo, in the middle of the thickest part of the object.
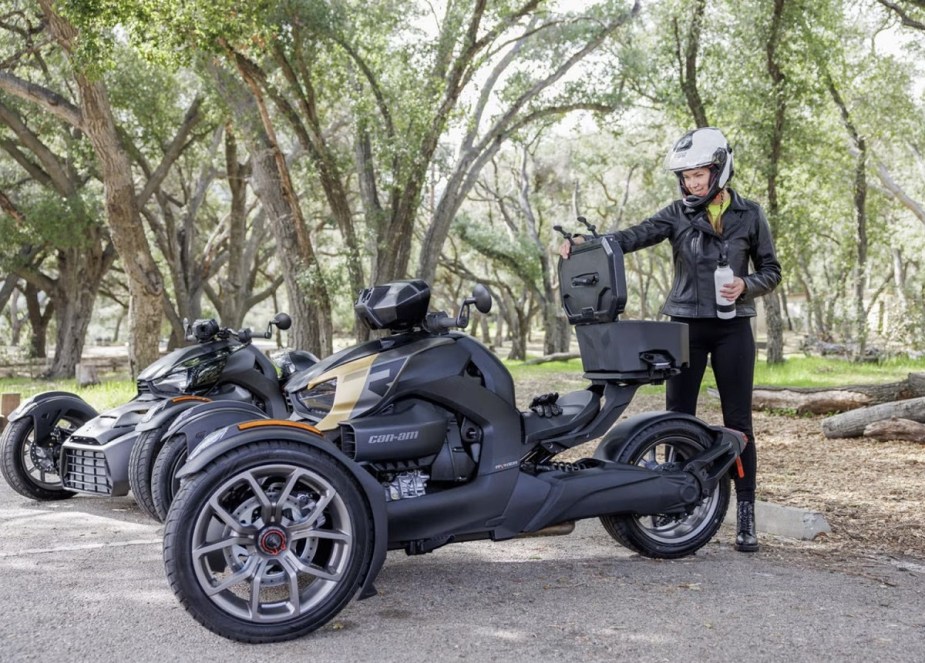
(518, 254)
(163, 30)
(51, 220)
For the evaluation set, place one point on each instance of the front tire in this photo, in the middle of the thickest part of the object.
(665, 445)
(141, 466)
(269, 542)
(164, 481)
(29, 465)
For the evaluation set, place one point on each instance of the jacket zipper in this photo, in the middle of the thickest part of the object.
(698, 247)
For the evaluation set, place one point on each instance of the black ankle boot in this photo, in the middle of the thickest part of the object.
(746, 540)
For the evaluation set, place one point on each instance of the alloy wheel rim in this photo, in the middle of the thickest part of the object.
(272, 543)
(34, 455)
(668, 528)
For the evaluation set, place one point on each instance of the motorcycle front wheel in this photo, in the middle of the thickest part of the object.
(269, 542)
(164, 482)
(141, 467)
(30, 465)
(667, 445)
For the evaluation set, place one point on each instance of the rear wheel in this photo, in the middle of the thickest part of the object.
(31, 465)
(164, 481)
(141, 465)
(666, 446)
(269, 542)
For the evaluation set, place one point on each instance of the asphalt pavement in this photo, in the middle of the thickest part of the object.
(83, 580)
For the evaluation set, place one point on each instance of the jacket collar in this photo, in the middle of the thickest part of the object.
(737, 202)
(699, 219)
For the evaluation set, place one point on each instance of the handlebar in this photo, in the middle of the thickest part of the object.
(206, 330)
(439, 322)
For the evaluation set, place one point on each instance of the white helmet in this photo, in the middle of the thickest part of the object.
(701, 148)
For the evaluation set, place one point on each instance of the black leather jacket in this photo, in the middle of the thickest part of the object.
(696, 248)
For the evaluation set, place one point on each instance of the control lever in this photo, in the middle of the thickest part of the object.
(582, 220)
(566, 234)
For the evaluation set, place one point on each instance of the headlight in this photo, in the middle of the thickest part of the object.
(173, 383)
(318, 400)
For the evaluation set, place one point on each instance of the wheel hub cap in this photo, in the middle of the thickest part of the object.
(272, 541)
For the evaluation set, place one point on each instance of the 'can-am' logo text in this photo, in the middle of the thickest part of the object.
(393, 437)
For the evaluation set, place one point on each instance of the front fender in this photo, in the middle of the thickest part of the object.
(238, 435)
(167, 410)
(46, 408)
(204, 418)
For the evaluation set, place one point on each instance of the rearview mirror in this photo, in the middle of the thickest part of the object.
(282, 321)
(481, 297)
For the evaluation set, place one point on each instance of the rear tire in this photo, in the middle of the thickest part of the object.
(269, 542)
(164, 481)
(141, 465)
(31, 466)
(668, 536)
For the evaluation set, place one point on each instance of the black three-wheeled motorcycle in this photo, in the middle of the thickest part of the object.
(414, 441)
(57, 445)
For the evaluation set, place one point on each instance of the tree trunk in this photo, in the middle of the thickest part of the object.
(860, 206)
(518, 340)
(144, 278)
(7, 286)
(518, 325)
(309, 304)
(80, 274)
(38, 321)
(688, 65)
(772, 304)
(235, 288)
(853, 423)
(16, 321)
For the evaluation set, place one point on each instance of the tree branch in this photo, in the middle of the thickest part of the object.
(174, 150)
(906, 20)
(43, 97)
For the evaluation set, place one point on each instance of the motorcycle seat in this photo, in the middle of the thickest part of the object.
(578, 408)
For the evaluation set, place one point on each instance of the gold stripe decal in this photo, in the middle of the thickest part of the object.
(180, 399)
(286, 423)
(351, 378)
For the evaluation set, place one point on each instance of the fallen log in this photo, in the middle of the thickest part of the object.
(828, 400)
(555, 356)
(896, 429)
(853, 423)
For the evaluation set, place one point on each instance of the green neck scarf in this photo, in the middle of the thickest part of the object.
(715, 213)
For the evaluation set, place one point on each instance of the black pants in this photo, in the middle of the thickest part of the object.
(731, 348)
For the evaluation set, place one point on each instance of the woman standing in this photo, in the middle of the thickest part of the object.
(710, 224)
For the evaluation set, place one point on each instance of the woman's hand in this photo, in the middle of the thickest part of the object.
(734, 289)
(565, 249)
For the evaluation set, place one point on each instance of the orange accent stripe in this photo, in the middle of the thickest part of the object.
(739, 468)
(247, 425)
(180, 399)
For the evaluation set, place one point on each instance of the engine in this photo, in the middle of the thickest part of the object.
(413, 445)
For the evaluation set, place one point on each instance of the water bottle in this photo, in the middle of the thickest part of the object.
(725, 308)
